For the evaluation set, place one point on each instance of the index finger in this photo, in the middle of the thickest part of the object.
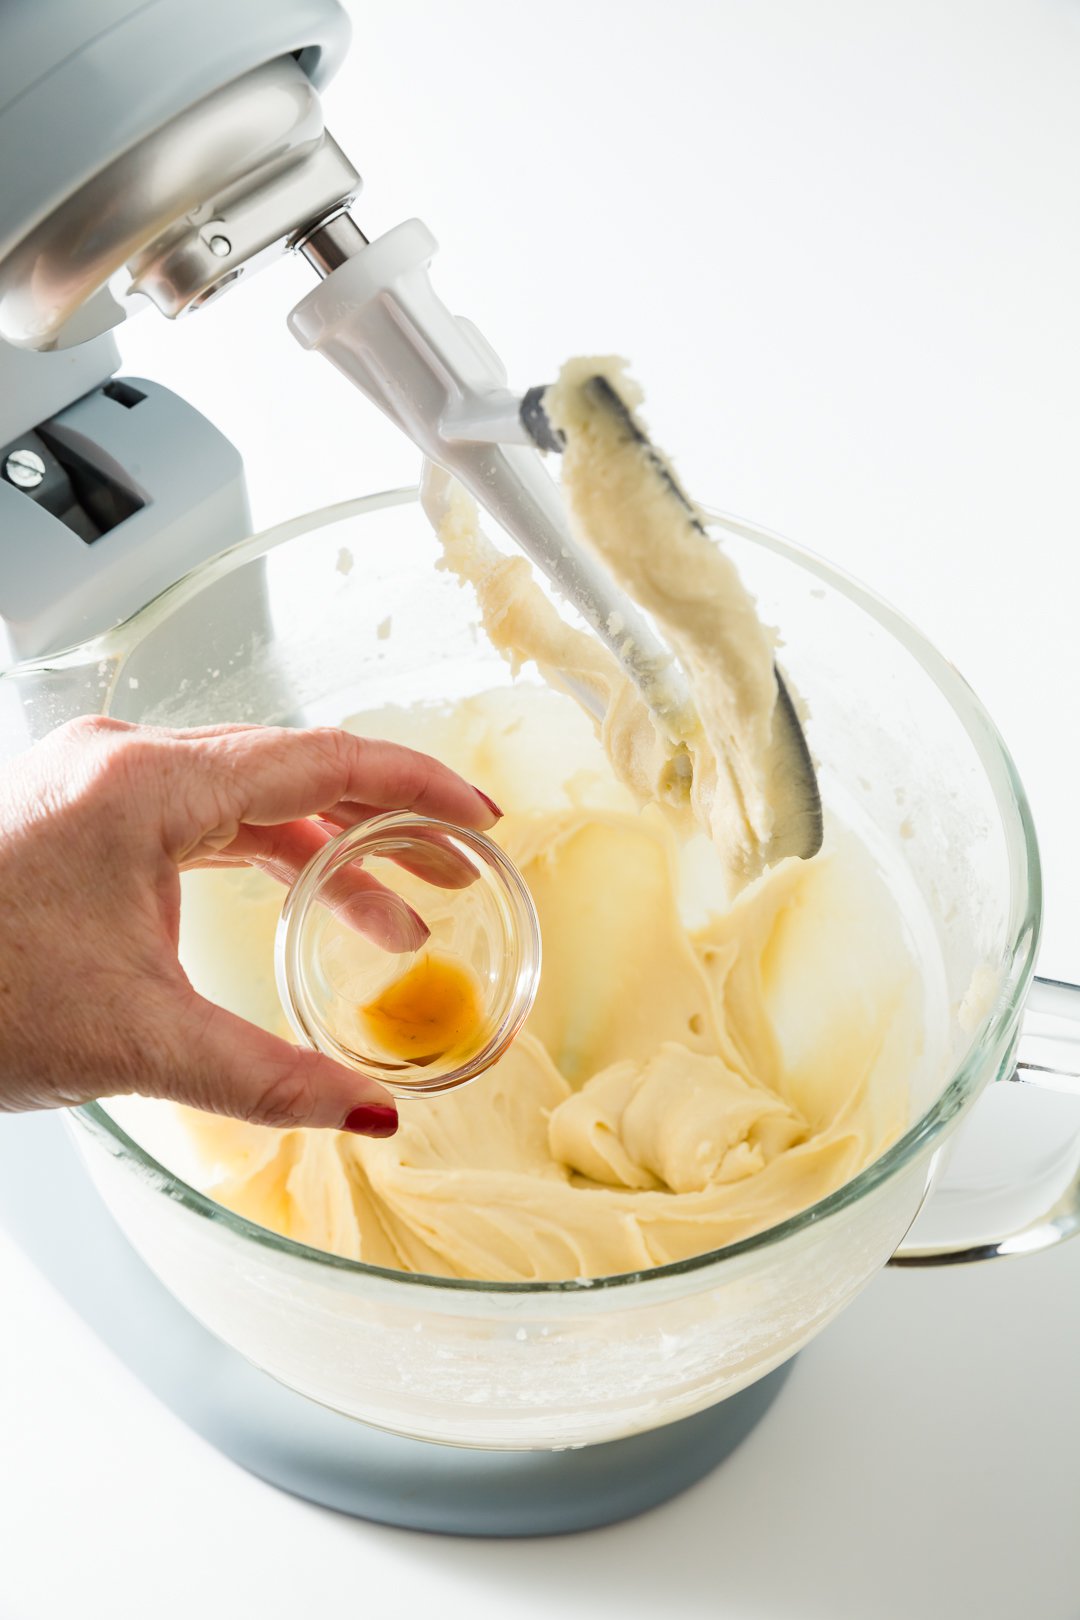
(271, 774)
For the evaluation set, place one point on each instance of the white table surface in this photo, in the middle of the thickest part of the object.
(841, 243)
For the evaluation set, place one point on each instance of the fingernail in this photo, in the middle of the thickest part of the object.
(418, 933)
(385, 918)
(403, 929)
(492, 806)
(372, 1119)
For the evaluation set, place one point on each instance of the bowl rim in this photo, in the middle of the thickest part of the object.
(991, 1040)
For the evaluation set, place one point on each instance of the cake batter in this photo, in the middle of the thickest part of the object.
(715, 1045)
(693, 1071)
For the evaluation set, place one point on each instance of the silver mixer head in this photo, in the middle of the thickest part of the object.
(157, 149)
(211, 196)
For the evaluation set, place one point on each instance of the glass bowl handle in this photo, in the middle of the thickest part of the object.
(1047, 1059)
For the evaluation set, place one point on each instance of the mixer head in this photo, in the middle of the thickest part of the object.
(159, 151)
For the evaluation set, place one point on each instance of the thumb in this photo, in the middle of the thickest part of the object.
(232, 1067)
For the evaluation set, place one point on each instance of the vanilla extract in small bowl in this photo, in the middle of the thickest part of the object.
(409, 949)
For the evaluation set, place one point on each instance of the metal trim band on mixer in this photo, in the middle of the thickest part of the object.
(217, 191)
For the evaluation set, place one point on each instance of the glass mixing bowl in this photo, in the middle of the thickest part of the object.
(291, 627)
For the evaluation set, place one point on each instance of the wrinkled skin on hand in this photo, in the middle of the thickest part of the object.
(96, 824)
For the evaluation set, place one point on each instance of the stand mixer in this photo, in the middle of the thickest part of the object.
(159, 152)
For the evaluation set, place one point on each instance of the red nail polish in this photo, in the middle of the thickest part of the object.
(372, 1119)
(492, 806)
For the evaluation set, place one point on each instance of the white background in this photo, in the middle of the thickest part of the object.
(841, 243)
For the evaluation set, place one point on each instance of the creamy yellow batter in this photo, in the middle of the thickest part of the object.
(691, 1073)
(696, 1067)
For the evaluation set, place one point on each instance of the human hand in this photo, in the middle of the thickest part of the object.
(97, 822)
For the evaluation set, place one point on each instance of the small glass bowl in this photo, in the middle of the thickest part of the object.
(409, 949)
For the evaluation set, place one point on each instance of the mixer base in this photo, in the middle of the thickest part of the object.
(49, 1205)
